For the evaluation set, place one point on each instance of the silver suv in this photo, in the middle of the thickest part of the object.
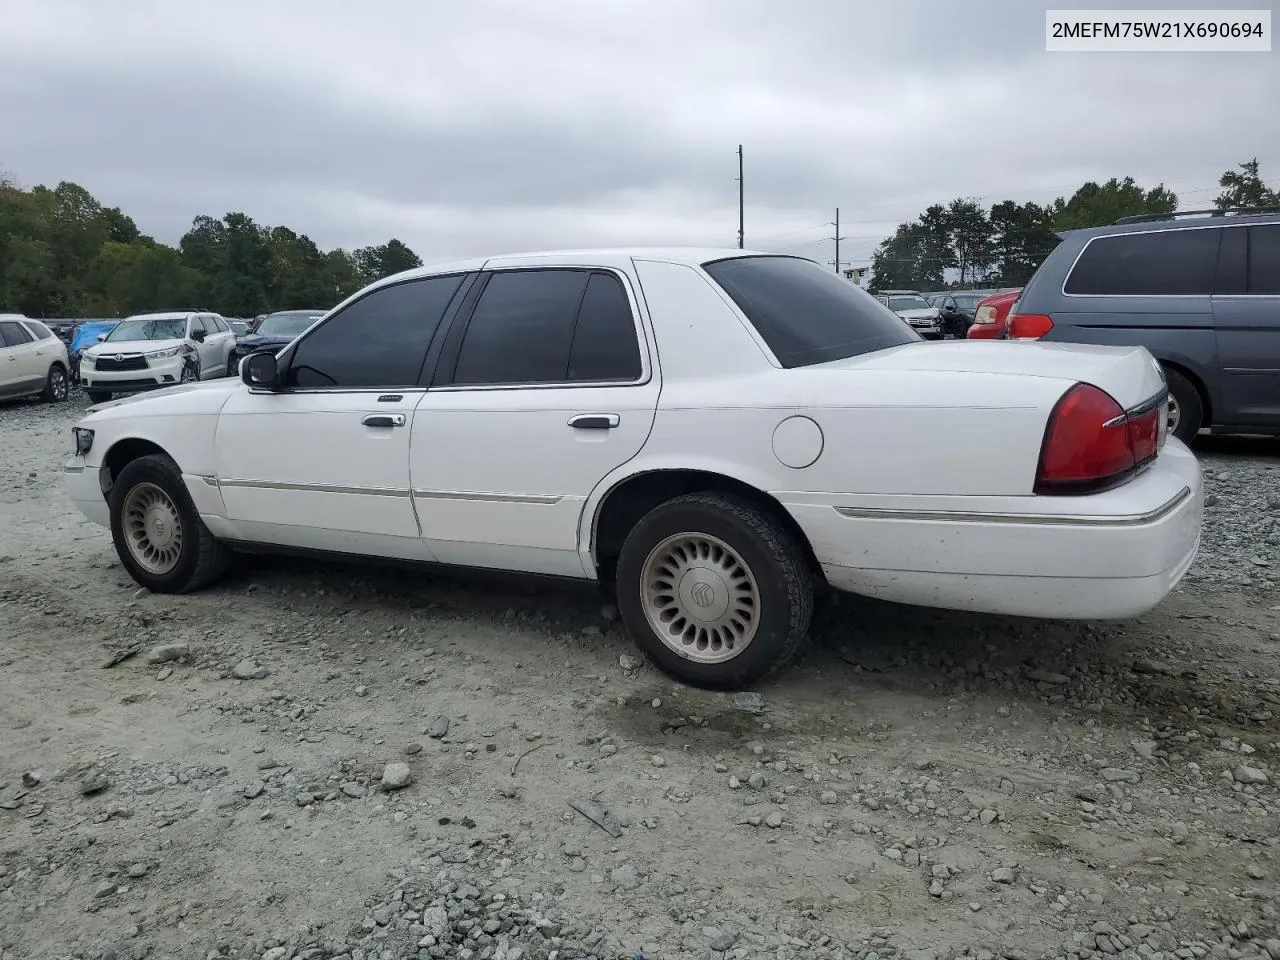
(1199, 289)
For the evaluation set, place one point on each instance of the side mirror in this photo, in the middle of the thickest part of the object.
(198, 336)
(259, 370)
(102, 337)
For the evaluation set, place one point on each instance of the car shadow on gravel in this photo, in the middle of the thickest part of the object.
(1108, 671)
(1243, 446)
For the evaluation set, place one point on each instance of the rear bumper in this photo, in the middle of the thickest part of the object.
(1107, 556)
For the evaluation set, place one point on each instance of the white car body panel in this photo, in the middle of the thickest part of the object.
(917, 489)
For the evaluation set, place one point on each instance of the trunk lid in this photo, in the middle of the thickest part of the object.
(1129, 374)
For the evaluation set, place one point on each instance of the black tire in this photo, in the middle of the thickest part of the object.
(233, 366)
(191, 367)
(201, 559)
(57, 385)
(1190, 406)
(776, 562)
(98, 396)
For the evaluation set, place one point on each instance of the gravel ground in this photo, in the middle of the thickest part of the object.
(313, 761)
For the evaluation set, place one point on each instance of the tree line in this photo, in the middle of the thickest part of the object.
(1003, 245)
(63, 254)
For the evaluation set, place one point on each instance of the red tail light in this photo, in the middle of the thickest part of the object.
(1029, 326)
(1091, 444)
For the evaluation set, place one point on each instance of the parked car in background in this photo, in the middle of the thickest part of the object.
(271, 333)
(151, 350)
(240, 327)
(958, 309)
(689, 426)
(86, 335)
(32, 360)
(1199, 289)
(924, 318)
(991, 315)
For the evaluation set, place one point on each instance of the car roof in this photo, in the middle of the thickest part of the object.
(603, 257)
(1170, 223)
(160, 316)
(279, 313)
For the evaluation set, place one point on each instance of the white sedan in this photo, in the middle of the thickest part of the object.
(713, 432)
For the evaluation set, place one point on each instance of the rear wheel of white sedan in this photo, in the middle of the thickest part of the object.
(714, 590)
(157, 532)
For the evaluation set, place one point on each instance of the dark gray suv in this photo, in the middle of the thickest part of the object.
(1200, 290)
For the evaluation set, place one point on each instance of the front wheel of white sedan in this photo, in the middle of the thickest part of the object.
(714, 590)
(158, 534)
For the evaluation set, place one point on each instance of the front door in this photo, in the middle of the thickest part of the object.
(542, 393)
(323, 462)
(1246, 321)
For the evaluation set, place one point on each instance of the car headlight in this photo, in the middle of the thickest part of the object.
(164, 354)
(84, 440)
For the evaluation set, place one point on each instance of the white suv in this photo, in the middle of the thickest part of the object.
(32, 360)
(151, 350)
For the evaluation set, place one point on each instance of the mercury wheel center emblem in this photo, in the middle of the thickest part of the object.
(702, 594)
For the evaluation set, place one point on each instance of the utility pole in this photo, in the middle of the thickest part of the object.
(741, 235)
(837, 239)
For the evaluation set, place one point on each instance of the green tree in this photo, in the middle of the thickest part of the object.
(1023, 237)
(971, 240)
(902, 261)
(1245, 189)
(392, 257)
(1095, 205)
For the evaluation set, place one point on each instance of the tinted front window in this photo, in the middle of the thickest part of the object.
(1264, 260)
(806, 314)
(1163, 264)
(380, 340)
(604, 339)
(522, 328)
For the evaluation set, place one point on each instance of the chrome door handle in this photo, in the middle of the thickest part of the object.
(595, 421)
(384, 420)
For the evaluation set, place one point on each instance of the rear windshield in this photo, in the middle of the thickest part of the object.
(807, 314)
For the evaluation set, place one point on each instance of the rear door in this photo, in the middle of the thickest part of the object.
(540, 393)
(224, 340)
(1246, 318)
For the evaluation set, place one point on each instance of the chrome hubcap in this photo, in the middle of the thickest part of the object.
(700, 597)
(152, 528)
(1175, 414)
(59, 384)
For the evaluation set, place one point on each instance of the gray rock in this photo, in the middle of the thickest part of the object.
(628, 662)
(988, 817)
(1048, 676)
(1273, 948)
(254, 790)
(757, 781)
(168, 652)
(249, 670)
(396, 776)
(1247, 774)
(724, 942)
(1118, 775)
(1003, 875)
(773, 820)
(439, 728)
(104, 890)
(137, 870)
(748, 702)
(94, 783)
(355, 790)
(828, 797)
(1146, 749)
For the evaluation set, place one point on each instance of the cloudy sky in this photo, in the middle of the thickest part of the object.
(483, 126)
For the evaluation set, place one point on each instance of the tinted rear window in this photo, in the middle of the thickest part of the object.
(807, 314)
(1264, 260)
(1164, 264)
